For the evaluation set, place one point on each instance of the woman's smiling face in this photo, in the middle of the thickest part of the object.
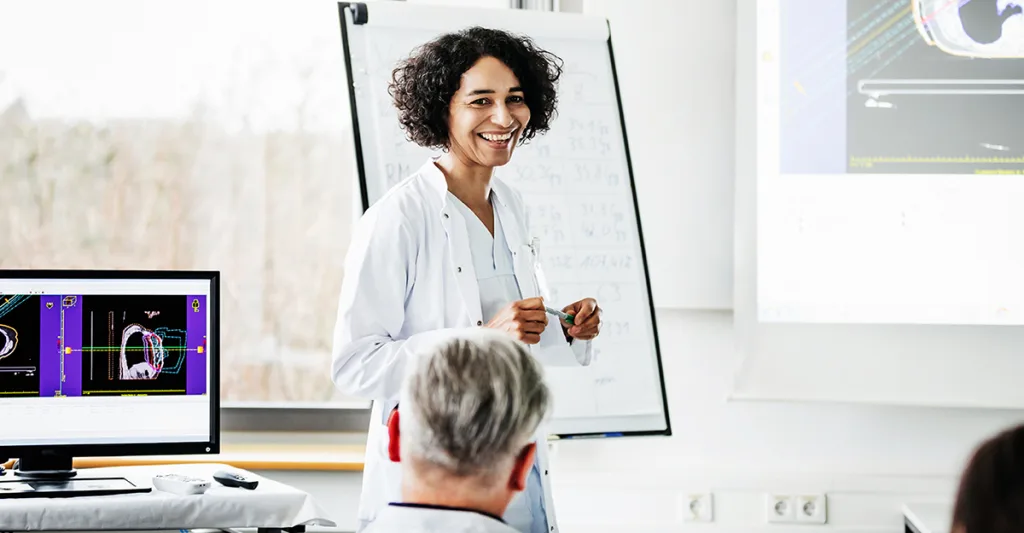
(487, 114)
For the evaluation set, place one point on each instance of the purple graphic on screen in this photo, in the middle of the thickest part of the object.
(195, 333)
(49, 345)
(72, 345)
(812, 87)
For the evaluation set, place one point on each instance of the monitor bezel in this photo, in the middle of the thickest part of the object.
(212, 446)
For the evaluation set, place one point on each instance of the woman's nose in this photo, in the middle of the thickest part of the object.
(502, 116)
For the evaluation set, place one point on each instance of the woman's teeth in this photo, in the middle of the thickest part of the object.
(497, 138)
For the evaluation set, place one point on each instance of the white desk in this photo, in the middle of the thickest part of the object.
(927, 517)
(272, 505)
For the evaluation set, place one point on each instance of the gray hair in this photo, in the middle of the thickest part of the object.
(472, 403)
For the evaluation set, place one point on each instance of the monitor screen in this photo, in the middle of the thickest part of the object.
(96, 361)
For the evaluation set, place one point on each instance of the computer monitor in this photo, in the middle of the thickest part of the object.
(107, 363)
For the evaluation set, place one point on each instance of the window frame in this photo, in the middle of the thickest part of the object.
(285, 418)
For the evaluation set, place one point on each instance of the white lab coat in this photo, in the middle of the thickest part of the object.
(409, 281)
(423, 520)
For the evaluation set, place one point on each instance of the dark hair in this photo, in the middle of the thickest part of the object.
(991, 494)
(423, 84)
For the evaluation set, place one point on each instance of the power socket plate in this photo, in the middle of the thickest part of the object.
(698, 507)
(811, 508)
(779, 508)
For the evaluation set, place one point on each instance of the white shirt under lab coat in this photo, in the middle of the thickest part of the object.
(409, 281)
(419, 519)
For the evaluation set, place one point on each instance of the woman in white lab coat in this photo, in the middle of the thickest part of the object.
(449, 247)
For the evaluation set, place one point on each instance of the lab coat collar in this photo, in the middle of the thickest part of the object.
(435, 177)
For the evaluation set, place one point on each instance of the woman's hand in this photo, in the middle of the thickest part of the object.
(523, 319)
(586, 319)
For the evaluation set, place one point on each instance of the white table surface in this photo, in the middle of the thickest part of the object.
(271, 505)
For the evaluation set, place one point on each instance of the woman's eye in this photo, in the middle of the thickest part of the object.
(516, 99)
(482, 101)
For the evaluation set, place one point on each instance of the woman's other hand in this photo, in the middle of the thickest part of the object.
(523, 319)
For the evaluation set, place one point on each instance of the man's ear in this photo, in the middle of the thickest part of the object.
(393, 437)
(521, 467)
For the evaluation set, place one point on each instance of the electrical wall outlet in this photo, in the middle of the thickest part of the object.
(811, 508)
(698, 507)
(779, 508)
(796, 508)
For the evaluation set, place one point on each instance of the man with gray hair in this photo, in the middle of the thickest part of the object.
(465, 435)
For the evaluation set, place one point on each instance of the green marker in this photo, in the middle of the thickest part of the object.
(566, 317)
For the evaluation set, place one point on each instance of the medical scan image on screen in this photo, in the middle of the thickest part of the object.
(135, 344)
(102, 345)
(19, 345)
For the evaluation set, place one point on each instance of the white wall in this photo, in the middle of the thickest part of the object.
(678, 93)
(675, 64)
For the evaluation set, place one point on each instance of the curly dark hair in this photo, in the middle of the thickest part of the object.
(990, 497)
(423, 84)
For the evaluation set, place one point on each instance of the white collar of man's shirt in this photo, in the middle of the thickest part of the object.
(407, 518)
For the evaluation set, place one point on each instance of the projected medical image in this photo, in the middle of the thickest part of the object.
(134, 345)
(19, 345)
(932, 91)
(975, 28)
(902, 87)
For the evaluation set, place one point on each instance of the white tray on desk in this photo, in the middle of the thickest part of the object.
(271, 505)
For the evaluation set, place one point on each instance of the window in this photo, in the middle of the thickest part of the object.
(189, 135)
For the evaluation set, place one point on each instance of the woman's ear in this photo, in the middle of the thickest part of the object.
(393, 437)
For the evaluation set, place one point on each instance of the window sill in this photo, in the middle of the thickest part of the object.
(331, 452)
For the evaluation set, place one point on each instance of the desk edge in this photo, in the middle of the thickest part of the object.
(299, 463)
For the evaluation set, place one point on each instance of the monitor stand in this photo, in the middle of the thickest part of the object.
(45, 464)
(50, 474)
